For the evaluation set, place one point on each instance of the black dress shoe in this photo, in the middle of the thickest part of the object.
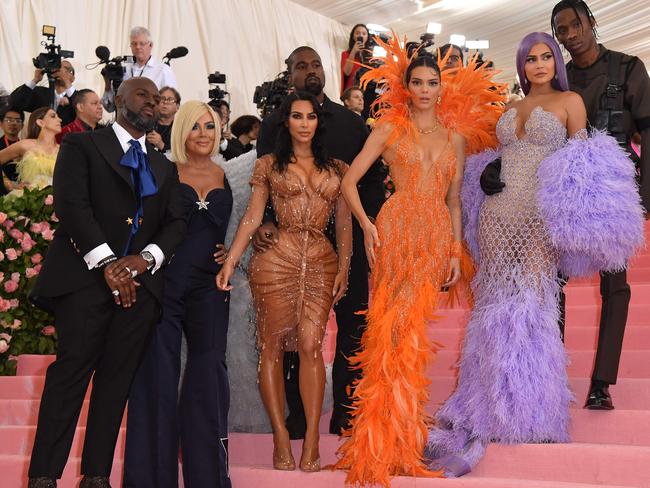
(41, 482)
(599, 399)
(94, 482)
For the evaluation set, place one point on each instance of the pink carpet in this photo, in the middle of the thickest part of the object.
(609, 449)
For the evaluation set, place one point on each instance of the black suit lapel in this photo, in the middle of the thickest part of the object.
(110, 148)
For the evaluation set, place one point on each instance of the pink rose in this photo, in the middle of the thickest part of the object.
(27, 245)
(5, 336)
(2, 256)
(16, 325)
(12, 255)
(8, 224)
(48, 330)
(49, 200)
(2, 235)
(13, 303)
(30, 272)
(36, 258)
(15, 277)
(3, 217)
(16, 234)
(11, 286)
(2, 276)
(4, 306)
(54, 218)
(4, 347)
(38, 268)
(36, 228)
(48, 234)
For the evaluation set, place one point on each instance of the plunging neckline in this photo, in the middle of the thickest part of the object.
(530, 116)
(204, 198)
(304, 185)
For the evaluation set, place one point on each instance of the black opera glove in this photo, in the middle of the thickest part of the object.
(491, 183)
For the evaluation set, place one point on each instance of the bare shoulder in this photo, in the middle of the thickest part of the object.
(458, 140)
(571, 98)
(382, 130)
(514, 104)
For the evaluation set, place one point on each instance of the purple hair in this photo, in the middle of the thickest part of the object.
(560, 81)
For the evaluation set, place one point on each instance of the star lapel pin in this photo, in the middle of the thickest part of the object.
(202, 204)
(129, 221)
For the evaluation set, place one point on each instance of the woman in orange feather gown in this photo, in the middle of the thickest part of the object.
(415, 253)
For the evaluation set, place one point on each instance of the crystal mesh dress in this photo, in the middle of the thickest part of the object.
(292, 282)
(512, 384)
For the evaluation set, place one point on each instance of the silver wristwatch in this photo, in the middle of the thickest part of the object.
(148, 257)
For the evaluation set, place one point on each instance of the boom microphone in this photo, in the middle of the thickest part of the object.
(103, 53)
(177, 52)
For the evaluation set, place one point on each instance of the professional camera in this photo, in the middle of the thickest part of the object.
(114, 70)
(216, 93)
(50, 61)
(269, 95)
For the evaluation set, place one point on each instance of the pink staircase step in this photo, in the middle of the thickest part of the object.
(590, 294)
(14, 475)
(634, 364)
(628, 393)
(576, 338)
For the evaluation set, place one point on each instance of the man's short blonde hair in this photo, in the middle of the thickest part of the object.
(184, 120)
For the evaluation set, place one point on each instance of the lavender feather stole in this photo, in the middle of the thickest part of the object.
(589, 200)
(472, 197)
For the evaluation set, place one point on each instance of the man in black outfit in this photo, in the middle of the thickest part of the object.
(615, 88)
(345, 135)
(115, 196)
(29, 97)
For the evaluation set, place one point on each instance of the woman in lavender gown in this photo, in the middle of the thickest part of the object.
(553, 212)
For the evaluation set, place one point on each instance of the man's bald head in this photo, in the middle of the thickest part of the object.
(137, 103)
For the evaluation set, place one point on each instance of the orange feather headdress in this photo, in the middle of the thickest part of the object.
(471, 103)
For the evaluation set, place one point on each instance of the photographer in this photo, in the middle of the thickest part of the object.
(358, 51)
(144, 65)
(29, 97)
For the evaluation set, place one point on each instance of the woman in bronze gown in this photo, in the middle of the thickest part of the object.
(295, 283)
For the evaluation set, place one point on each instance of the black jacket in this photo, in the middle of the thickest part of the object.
(93, 198)
(25, 99)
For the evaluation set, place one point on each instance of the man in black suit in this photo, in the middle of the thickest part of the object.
(115, 196)
(28, 97)
(345, 135)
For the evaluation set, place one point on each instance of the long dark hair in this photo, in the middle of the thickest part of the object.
(428, 61)
(352, 40)
(283, 144)
(33, 130)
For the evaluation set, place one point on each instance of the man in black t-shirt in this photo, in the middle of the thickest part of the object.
(615, 88)
(345, 135)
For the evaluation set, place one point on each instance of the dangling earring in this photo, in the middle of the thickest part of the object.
(438, 101)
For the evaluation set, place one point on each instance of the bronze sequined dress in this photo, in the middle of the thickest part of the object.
(292, 282)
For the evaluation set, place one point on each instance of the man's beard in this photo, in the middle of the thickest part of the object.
(314, 86)
(138, 121)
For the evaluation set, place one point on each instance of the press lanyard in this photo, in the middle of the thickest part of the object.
(143, 68)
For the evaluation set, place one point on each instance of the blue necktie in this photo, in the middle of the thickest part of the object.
(144, 183)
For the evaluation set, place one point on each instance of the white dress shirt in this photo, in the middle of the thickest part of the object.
(157, 71)
(103, 251)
